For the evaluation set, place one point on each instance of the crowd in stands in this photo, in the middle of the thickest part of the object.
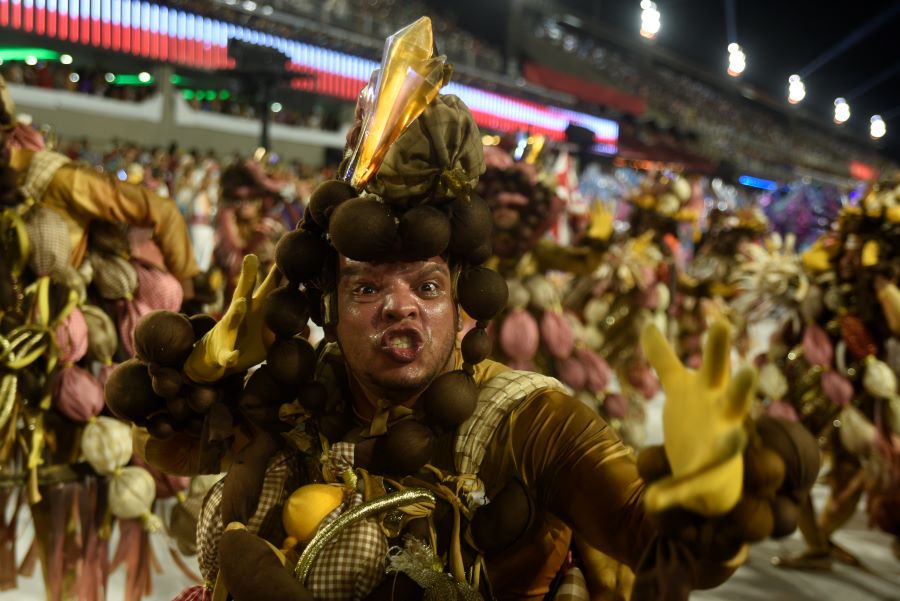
(85, 80)
(94, 81)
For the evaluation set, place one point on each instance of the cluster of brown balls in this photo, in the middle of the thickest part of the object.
(367, 228)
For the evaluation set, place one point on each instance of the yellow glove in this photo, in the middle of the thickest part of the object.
(240, 339)
(702, 423)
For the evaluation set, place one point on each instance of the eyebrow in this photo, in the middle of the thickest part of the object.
(352, 271)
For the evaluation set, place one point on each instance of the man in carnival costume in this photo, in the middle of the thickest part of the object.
(395, 461)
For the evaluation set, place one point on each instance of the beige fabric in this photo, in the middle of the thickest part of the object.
(439, 151)
(279, 482)
(44, 165)
(496, 398)
(352, 565)
(573, 587)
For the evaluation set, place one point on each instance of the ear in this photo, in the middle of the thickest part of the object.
(459, 317)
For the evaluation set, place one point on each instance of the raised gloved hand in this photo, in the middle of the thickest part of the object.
(240, 339)
(703, 425)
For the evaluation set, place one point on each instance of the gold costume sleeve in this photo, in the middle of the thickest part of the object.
(91, 195)
(580, 472)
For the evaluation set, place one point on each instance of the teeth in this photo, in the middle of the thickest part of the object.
(401, 342)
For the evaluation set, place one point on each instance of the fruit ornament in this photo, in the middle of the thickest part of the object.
(67, 276)
(833, 365)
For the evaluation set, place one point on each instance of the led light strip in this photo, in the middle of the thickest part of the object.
(164, 34)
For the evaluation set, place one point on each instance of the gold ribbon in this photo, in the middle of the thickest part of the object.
(386, 412)
(457, 182)
(328, 532)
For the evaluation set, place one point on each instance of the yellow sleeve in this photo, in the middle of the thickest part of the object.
(92, 195)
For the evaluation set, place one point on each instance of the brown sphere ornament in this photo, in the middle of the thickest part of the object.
(476, 346)
(291, 361)
(470, 224)
(313, 396)
(161, 426)
(166, 381)
(179, 408)
(261, 389)
(202, 323)
(424, 232)
(363, 229)
(751, 519)
(482, 292)
(450, 399)
(129, 392)
(300, 255)
(286, 311)
(407, 446)
(786, 516)
(201, 398)
(164, 337)
(326, 197)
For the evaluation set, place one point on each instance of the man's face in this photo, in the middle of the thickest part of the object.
(397, 324)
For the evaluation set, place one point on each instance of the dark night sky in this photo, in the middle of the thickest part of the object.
(779, 37)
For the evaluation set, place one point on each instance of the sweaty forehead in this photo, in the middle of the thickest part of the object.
(348, 268)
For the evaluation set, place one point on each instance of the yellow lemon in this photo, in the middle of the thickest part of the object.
(307, 507)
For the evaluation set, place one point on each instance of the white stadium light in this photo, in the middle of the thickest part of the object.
(841, 111)
(877, 127)
(737, 60)
(796, 89)
(650, 19)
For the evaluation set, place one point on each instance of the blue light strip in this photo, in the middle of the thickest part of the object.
(756, 182)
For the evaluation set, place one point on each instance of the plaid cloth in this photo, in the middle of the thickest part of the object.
(353, 564)
(48, 236)
(496, 398)
(279, 482)
(106, 444)
(43, 166)
(573, 587)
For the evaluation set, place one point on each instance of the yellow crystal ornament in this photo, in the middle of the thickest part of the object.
(409, 78)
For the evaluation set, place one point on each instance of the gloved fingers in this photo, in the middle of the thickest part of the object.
(716, 354)
(227, 358)
(740, 393)
(231, 321)
(269, 284)
(660, 355)
(247, 279)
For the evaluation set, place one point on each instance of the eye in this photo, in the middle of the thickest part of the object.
(429, 287)
(364, 290)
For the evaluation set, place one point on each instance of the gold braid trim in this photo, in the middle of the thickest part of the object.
(360, 512)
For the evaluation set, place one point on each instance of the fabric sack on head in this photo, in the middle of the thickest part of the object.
(144, 249)
(156, 291)
(79, 395)
(440, 150)
(114, 277)
(102, 336)
(49, 239)
(72, 337)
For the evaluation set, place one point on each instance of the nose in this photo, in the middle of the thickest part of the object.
(400, 303)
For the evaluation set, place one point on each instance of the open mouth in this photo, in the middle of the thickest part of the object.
(402, 345)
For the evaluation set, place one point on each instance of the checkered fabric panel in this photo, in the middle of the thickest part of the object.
(276, 488)
(496, 398)
(43, 166)
(573, 587)
(352, 565)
